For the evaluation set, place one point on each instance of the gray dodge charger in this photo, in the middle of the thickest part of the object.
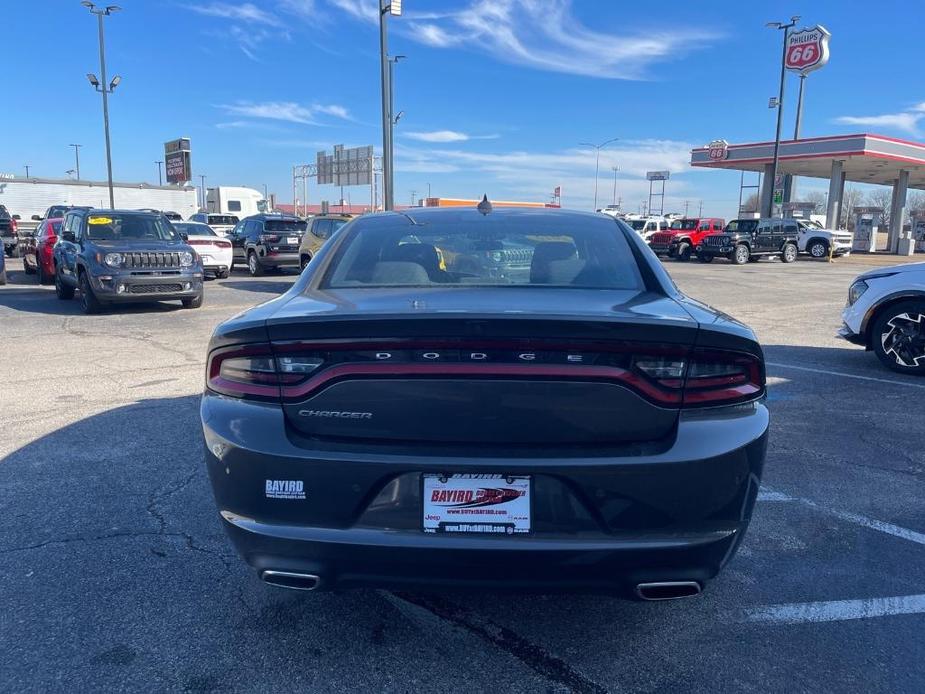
(507, 398)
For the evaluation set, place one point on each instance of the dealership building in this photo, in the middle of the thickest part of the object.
(863, 158)
(32, 196)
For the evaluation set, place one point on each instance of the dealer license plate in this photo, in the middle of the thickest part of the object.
(474, 503)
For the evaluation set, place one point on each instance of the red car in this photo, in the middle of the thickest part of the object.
(37, 254)
(684, 235)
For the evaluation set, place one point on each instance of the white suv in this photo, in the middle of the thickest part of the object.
(816, 240)
(886, 313)
(646, 226)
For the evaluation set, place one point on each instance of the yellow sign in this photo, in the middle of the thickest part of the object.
(99, 220)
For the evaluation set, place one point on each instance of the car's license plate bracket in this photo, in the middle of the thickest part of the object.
(476, 504)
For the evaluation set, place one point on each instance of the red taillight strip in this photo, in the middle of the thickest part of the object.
(607, 373)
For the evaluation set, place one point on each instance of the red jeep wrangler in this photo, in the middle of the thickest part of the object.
(683, 236)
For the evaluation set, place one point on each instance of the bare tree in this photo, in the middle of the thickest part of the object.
(915, 202)
(749, 204)
(881, 197)
(853, 197)
(817, 197)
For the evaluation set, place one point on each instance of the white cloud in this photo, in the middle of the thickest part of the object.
(246, 12)
(904, 122)
(446, 136)
(541, 34)
(285, 111)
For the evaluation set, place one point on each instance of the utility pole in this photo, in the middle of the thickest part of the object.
(615, 169)
(686, 205)
(160, 179)
(202, 188)
(413, 193)
(780, 107)
(77, 159)
(700, 214)
(386, 8)
(27, 170)
(101, 85)
(597, 161)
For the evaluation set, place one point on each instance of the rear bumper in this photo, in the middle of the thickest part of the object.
(671, 512)
(272, 259)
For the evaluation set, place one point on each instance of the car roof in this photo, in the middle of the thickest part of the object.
(102, 211)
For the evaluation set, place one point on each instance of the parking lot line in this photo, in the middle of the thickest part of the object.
(837, 610)
(766, 494)
(846, 375)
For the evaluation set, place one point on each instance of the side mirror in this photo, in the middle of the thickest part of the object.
(68, 236)
(16, 217)
(36, 218)
(184, 235)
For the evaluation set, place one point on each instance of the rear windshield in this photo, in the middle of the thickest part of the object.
(637, 224)
(684, 224)
(517, 251)
(284, 225)
(125, 227)
(229, 219)
(743, 225)
(193, 229)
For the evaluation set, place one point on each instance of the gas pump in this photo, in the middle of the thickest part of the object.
(918, 230)
(866, 227)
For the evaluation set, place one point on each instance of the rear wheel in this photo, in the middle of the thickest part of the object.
(818, 249)
(253, 265)
(740, 255)
(88, 301)
(62, 290)
(789, 254)
(303, 261)
(705, 258)
(898, 337)
(684, 252)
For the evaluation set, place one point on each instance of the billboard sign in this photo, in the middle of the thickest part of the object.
(177, 161)
(807, 49)
(657, 175)
(345, 167)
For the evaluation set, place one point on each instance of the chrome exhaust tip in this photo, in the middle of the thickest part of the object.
(291, 580)
(668, 590)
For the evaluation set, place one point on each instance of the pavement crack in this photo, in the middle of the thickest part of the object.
(536, 658)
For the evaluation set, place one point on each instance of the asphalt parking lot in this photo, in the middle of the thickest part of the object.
(115, 572)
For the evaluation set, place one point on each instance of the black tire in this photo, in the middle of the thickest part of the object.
(40, 271)
(898, 337)
(705, 258)
(62, 291)
(88, 301)
(303, 261)
(195, 302)
(818, 248)
(29, 270)
(740, 254)
(253, 265)
(9, 251)
(684, 252)
(2, 276)
(789, 253)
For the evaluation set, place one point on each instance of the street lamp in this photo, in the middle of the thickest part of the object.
(597, 161)
(202, 179)
(160, 179)
(77, 159)
(767, 212)
(386, 8)
(101, 85)
(615, 169)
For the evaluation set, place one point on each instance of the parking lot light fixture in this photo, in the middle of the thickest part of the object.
(94, 82)
(597, 161)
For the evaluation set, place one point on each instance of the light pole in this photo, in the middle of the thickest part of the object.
(76, 159)
(615, 169)
(386, 8)
(101, 85)
(413, 193)
(767, 212)
(393, 120)
(202, 188)
(597, 161)
(160, 178)
(26, 167)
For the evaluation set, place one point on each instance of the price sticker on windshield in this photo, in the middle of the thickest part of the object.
(99, 220)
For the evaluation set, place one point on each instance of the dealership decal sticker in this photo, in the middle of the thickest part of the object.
(285, 489)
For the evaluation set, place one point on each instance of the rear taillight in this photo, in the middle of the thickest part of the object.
(222, 244)
(14, 227)
(667, 375)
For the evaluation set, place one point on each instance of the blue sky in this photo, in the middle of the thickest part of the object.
(497, 94)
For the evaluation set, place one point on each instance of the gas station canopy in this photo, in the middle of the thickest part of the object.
(865, 158)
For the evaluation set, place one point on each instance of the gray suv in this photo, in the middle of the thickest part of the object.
(122, 256)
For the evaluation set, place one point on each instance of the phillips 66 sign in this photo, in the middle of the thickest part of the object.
(807, 49)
